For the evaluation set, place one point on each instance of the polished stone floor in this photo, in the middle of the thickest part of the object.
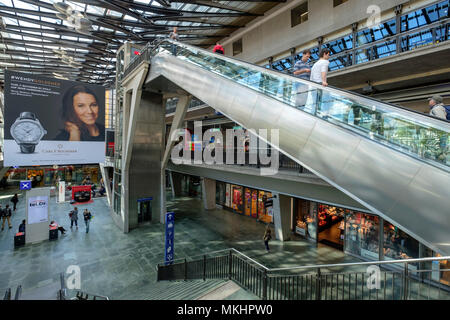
(122, 266)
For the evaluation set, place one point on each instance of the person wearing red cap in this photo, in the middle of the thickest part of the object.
(218, 48)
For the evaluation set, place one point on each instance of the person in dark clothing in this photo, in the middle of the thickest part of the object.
(87, 218)
(22, 226)
(267, 237)
(7, 216)
(73, 215)
(14, 200)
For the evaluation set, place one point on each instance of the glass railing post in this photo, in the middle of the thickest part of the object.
(204, 267)
(318, 285)
(405, 282)
(185, 269)
(264, 297)
(230, 265)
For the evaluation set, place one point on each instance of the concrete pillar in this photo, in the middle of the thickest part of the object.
(282, 210)
(105, 176)
(176, 180)
(145, 177)
(209, 193)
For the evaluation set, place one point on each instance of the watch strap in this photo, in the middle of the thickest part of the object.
(27, 148)
(27, 115)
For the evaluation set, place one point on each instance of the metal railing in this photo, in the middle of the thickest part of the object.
(66, 294)
(313, 282)
(242, 158)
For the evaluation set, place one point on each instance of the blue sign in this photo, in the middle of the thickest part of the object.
(145, 199)
(25, 185)
(170, 233)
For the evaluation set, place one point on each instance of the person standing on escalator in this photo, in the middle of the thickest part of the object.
(218, 48)
(319, 73)
(174, 36)
(437, 108)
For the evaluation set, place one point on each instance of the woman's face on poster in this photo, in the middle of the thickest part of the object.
(85, 107)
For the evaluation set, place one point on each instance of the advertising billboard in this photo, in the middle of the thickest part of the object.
(52, 121)
(37, 209)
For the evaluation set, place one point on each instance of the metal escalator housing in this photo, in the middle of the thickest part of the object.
(405, 191)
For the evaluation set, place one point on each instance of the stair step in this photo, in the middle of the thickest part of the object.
(181, 290)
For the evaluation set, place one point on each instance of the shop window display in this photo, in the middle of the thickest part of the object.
(220, 193)
(437, 274)
(362, 235)
(265, 210)
(301, 216)
(398, 245)
(331, 225)
(237, 202)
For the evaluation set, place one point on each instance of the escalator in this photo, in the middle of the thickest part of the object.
(394, 161)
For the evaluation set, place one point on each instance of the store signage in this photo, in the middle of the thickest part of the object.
(170, 235)
(42, 126)
(300, 231)
(145, 199)
(37, 209)
(25, 185)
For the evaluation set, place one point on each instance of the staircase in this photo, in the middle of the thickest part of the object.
(180, 290)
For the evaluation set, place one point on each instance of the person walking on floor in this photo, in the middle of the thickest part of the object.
(14, 200)
(267, 237)
(5, 213)
(7, 216)
(87, 219)
(73, 215)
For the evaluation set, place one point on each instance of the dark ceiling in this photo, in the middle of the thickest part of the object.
(78, 39)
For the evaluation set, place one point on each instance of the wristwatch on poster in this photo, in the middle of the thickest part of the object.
(27, 131)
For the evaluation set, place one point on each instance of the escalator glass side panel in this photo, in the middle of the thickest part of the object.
(419, 136)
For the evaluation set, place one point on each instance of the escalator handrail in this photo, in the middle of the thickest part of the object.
(345, 93)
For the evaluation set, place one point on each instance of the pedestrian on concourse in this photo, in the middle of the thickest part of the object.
(2, 215)
(6, 216)
(54, 224)
(14, 200)
(73, 215)
(267, 237)
(87, 219)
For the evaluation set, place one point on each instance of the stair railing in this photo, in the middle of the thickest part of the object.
(314, 282)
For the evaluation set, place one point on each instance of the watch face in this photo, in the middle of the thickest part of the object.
(27, 132)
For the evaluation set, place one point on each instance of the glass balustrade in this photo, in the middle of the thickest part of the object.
(405, 131)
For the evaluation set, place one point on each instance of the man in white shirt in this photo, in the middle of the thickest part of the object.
(317, 102)
(437, 108)
(319, 70)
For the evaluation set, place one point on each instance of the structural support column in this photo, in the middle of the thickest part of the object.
(176, 181)
(105, 177)
(178, 119)
(282, 208)
(209, 193)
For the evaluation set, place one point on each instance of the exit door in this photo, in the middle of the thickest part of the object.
(144, 211)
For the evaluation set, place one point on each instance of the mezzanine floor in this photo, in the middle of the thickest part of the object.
(123, 266)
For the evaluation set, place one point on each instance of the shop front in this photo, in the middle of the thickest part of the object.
(46, 176)
(247, 201)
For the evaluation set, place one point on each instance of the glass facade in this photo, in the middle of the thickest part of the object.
(362, 235)
(382, 38)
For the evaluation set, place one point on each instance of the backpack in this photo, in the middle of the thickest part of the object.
(447, 109)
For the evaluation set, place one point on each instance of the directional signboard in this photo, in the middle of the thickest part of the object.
(170, 224)
(25, 185)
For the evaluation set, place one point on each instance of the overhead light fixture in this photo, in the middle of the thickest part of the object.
(74, 18)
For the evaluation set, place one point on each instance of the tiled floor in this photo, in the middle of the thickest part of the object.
(122, 266)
